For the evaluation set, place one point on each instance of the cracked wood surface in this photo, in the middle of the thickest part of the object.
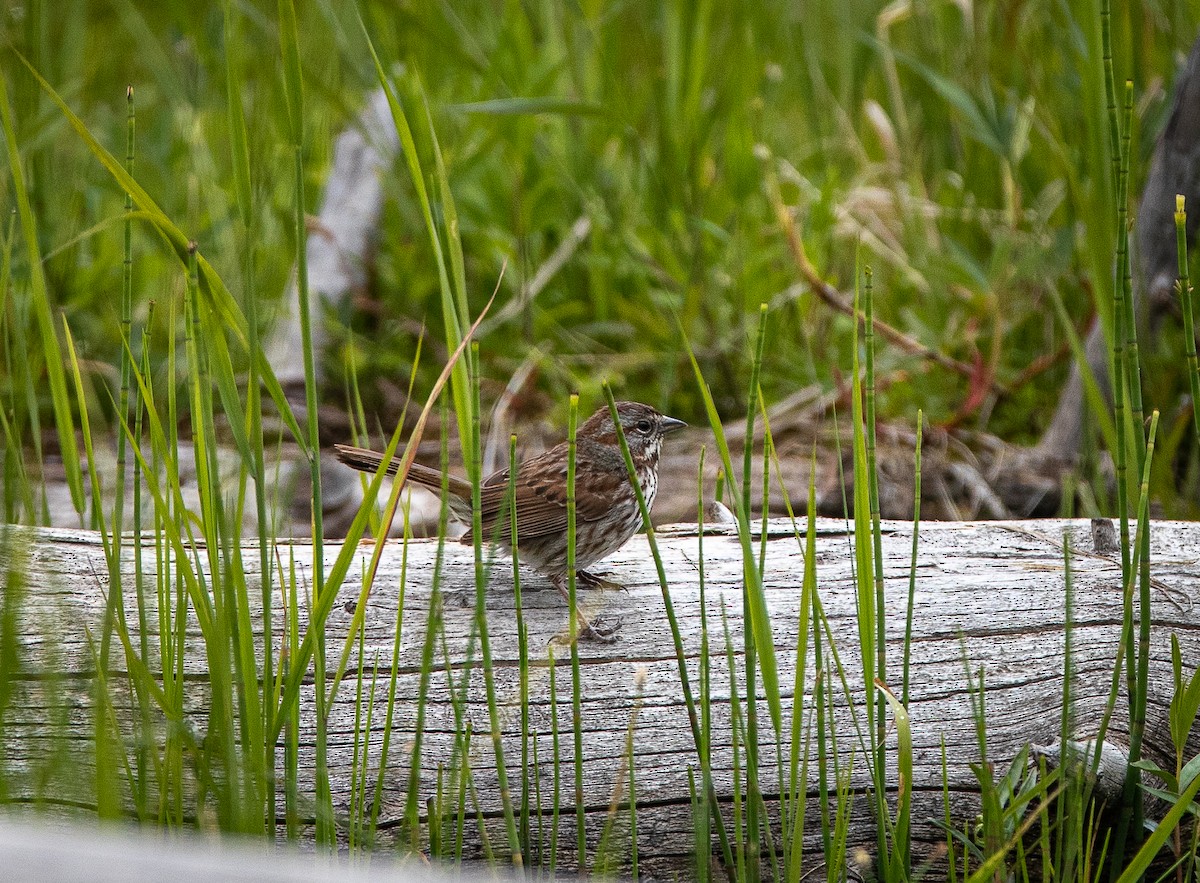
(989, 596)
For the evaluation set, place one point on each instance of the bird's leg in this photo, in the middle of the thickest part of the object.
(588, 631)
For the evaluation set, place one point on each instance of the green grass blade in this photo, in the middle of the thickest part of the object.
(1186, 304)
(759, 619)
(460, 384)
(60, 399)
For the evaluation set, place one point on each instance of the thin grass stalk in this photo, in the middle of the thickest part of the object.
(1123, 426)
(243, 729)
(454, 318)
(15, 571)
(668, 604)
(398, 629)
(18, 489)
(868, 321)
(1117, 308)
(139, 679)
(464, 774)
(770, 457)
(522, 644)
(836, 867)
(40, 298)
(364, 830)
(437, 821)
(819, 701)
(573, 633)
(289, 710)
(1061, 859)
(866, 601)
(1133, 370)
(1110, 90)
(168, 448)
(168, 570)
(554, 806)
(990, 812)
(126, 360)
(740, 837)
(221, 713)
(1047, 850)
(759, 621)
(699, 824)
(1184, 288)
(388, 464)
(139, 575)
(458, 274)
(294, 87)
(240, 153)
(433, 627)
(872, 475)
(537, 803)
(798, 785)
(947, 820)
(433, 812)
(633, 818)
(480, 824)
(912, 564)
(750, 653)
(1145, 611)
(1113, 691)
(245, 666)
(703, 817)
(489, 678)
(900, 865)
(1138, 699)
(107, 737)
(105, 712)
(459, 757)
(348, 554)
(357, 758)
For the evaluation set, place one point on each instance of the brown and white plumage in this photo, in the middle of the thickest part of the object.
(606, 509)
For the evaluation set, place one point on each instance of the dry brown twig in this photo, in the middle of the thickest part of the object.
(838, 301)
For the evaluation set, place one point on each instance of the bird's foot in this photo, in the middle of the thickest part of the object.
(591, 581)
(598, 629)
(601, 630)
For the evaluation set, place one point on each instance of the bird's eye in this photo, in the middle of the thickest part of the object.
(643, 426)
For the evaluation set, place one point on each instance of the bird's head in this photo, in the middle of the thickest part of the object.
(643, 427)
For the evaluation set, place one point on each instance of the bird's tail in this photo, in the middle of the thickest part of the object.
(366, 460)
(363, 459)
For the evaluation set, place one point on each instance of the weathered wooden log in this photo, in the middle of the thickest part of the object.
(989, 598)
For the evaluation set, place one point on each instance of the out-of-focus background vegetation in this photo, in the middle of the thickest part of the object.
(960, 146)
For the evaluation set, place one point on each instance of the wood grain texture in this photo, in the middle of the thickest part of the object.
(989, 596)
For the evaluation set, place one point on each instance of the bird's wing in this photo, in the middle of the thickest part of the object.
(542, 495)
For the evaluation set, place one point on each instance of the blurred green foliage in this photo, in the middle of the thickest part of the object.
(960, 145)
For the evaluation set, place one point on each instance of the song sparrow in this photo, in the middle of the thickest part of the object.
(606, 509)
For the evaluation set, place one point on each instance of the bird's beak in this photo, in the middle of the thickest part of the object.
(670, 424)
